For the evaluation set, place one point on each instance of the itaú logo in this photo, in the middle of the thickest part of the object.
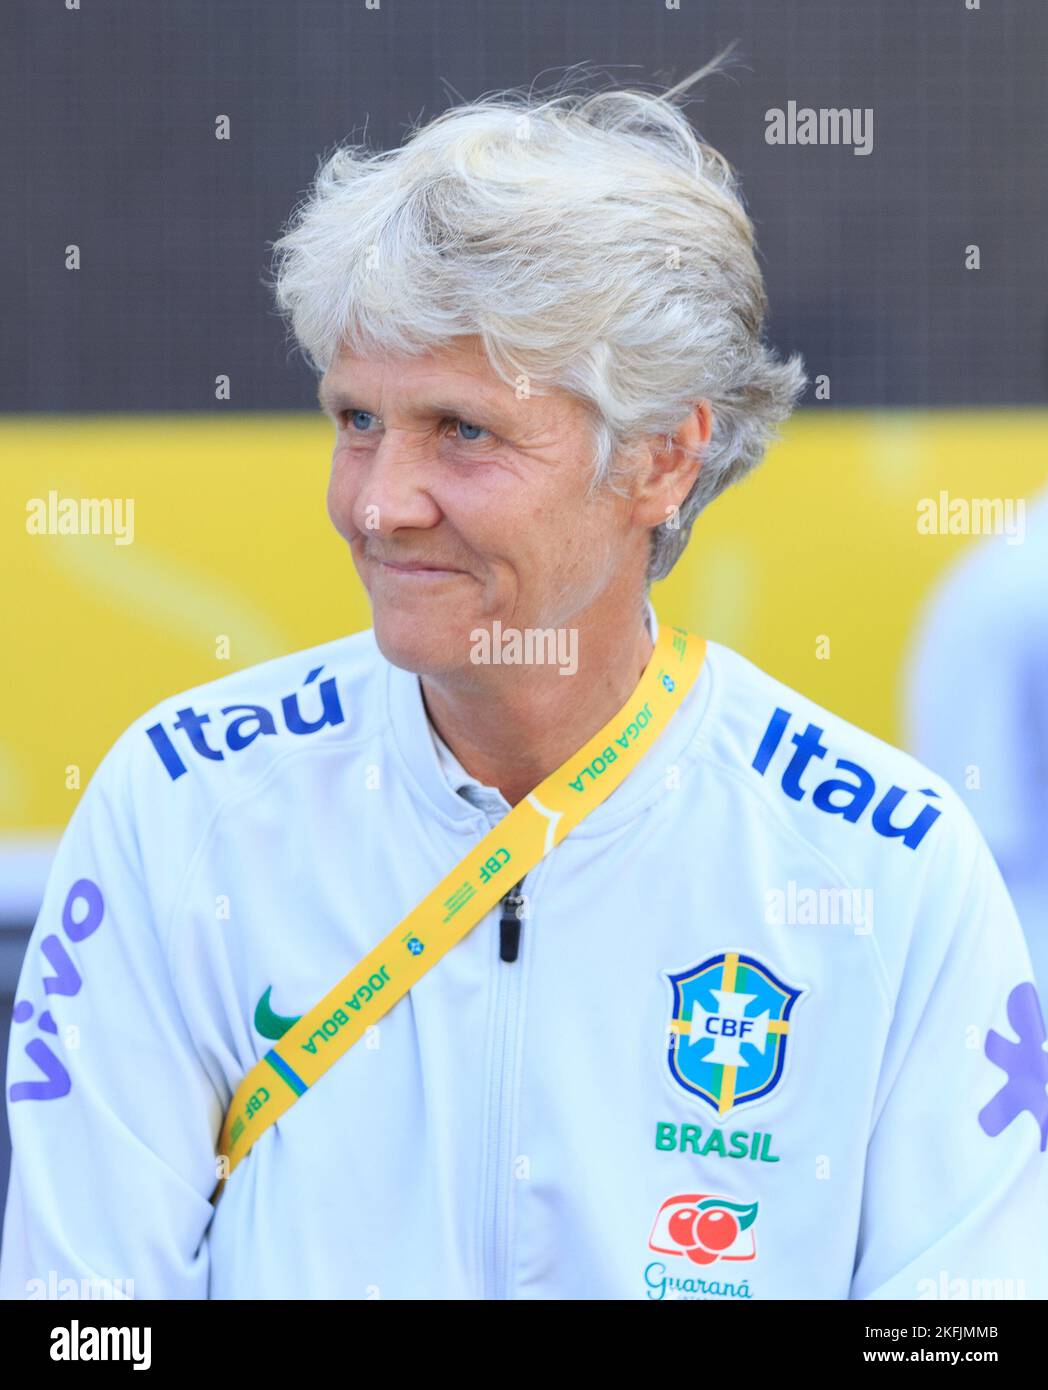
(252, 722)
(847, 796)
(704, 1229)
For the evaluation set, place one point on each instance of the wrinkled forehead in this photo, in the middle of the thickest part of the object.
(455, 379)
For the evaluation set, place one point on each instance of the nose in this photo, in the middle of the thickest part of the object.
(391, 488)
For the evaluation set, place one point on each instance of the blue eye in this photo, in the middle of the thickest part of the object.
(360, 421)
(466, 428)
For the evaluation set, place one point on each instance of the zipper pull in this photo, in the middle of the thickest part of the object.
(510, 924)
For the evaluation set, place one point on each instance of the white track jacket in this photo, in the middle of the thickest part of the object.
(761, 1027)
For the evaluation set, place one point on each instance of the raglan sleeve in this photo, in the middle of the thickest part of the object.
(955, 1192)
(111, 1112)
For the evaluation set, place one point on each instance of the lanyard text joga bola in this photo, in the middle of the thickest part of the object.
(521, 839)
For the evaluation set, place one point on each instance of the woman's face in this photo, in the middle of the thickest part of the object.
(438, 463)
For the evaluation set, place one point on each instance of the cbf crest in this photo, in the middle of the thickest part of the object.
(729, 1033)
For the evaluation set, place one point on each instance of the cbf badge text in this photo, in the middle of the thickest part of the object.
(730, 1029)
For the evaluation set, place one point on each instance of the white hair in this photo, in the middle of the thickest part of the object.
(592, 241)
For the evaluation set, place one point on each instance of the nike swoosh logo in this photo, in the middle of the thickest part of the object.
(269, 1024)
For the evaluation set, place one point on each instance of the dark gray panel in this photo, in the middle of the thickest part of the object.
(108, 117)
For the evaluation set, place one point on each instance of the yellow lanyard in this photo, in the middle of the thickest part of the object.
(521, 839)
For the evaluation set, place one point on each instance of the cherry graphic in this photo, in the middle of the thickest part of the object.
(702, 1236)
(699, 1256)
(682, 1226)
(716, 1230)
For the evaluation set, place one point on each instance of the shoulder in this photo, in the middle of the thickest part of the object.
(869, 807)
(165, 782)
(212, 739)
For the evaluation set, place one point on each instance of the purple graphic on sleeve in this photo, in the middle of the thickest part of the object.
(66, 981)
(83, 890)
(1026, 1064)
(57, 1083)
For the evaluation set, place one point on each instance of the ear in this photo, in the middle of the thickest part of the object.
(672, 465)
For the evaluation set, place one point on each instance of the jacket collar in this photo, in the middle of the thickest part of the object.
(463, 783)
(459, 798)
(486, 798)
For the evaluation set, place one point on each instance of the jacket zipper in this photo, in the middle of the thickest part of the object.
(507, 1010)
(510, 924)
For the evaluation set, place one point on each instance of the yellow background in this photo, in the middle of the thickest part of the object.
(232, 537)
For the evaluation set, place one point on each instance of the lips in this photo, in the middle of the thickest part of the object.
(418, 568)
